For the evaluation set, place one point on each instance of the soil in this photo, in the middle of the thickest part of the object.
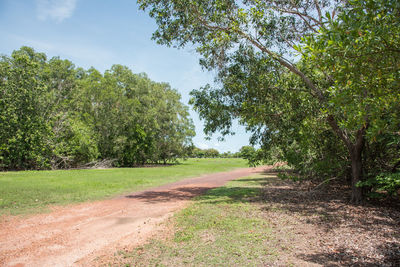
(79, 234)
(322, 228)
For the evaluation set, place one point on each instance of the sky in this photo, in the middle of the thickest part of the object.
(106, 32)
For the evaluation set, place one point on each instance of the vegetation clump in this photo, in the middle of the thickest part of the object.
(55, 115)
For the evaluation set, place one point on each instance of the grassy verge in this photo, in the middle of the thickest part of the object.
(33, 191)
(224, 227)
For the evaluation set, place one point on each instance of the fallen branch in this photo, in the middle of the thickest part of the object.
(324, 182)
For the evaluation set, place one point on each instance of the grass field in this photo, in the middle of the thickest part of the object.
(33, 191)
(222, 228)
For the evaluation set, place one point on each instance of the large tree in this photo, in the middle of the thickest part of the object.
(268, 37)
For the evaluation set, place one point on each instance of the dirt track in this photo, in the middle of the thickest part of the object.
(77, 234)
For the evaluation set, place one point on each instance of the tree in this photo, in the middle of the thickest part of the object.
(54, 115)
(73, 142)
(211, 153)
(137, 120)
(198, 152)
(227, 154)
(24, 118)
(362, 45)
(205, 153)
(247, 152)
(174, 129)
(266, 34)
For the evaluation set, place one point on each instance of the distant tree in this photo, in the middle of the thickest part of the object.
(198, 153)
(227, 154)
(211, 153)
(247, 152)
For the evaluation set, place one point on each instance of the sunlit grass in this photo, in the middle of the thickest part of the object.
(34, 191)
(224, 227)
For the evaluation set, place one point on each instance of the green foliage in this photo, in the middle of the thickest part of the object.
(253, 156)
(204, 153)
(54, 115)
(316, 80)
(228, 154)
(360, 51)
(247, 152)
(25, 129)
(74, 145)
(388, 183)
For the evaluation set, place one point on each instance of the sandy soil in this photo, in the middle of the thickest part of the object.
(78, 234)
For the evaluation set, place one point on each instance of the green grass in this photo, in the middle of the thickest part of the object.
(33, 191)
(224, 227)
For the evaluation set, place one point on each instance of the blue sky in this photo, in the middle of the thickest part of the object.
(102, 33)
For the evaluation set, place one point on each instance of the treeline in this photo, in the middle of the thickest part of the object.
(246, 152)
(55, 115)
(196, 152)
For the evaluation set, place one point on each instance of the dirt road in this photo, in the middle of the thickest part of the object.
(75, 235)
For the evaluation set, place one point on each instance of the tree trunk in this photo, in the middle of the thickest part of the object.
(355, 149)
(356, 166)
(357, 173)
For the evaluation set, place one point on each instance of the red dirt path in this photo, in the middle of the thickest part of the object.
(77, 234)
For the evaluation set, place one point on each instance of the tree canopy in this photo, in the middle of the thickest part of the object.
(319, 80)
(55, 115)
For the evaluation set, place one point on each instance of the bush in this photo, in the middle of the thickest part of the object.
(383, 184)
(75, 144)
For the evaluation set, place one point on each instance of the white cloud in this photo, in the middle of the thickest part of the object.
(57, 10)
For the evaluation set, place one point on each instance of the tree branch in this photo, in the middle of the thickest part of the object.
(300, 14)
(341, 133)
(318, 10)
(331, 120)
